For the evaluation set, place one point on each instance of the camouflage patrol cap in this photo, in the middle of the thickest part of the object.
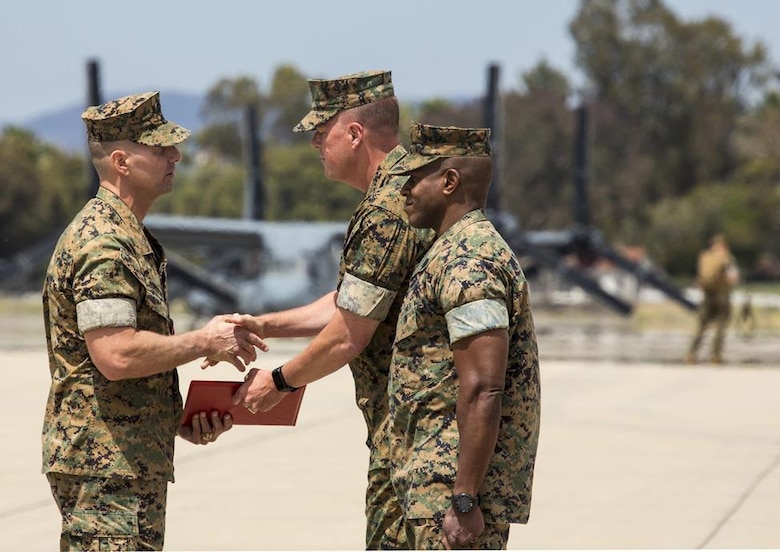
(137, 118)
(328, 97)
(430, 143)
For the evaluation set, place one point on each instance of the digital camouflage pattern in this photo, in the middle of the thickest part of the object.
(470, 262)
(103, 513)
(137, 118)
(429, 143)
(93, 426)
(345, 92)
(384, 516)
(381, 249)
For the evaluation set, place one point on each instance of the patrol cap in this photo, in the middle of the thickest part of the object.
(328, 97)
(430, 143)
(137, 118)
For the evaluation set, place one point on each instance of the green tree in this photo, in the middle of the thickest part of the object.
(41, 188)
(757, 143)
(298, 189)
(211, 188)
(224, 111)
(679, 86)
(546, 80)
(288, 100)
(535, 154)
(745, 214)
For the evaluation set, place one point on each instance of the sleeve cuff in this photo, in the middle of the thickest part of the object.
(105, 313)
(476, 317)
(364, 299)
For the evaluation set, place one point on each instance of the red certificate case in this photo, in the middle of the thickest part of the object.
(207, 396)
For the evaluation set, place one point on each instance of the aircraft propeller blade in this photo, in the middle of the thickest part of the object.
(572, 274)
(645, 274)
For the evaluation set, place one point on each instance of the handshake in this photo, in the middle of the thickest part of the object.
(235, 338)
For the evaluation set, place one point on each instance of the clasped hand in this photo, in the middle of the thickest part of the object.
(258, 393)
(232, 343)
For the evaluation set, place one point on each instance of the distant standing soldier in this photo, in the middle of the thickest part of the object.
(716, 275)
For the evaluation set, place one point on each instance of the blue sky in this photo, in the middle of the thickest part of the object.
(433, 47)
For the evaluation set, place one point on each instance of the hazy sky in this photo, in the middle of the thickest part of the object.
(434, 48)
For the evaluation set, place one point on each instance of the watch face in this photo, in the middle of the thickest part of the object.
(463, 503)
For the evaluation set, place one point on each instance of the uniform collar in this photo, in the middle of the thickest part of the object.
(472, 217)
(390, 159)
(125, 214)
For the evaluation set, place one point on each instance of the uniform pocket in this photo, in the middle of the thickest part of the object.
(121, 525)
(408, 322)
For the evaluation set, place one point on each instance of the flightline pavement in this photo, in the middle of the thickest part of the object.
(634, 454)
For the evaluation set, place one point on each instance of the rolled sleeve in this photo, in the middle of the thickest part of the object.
(476, 317)
(364, 298)
(105, 313)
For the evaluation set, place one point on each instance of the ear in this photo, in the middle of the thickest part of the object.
(356, 132)
(118, 159)
(451, 181)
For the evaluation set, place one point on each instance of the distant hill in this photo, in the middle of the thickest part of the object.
(63, 128)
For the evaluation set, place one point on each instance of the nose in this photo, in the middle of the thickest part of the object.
(174, 155)
(316, 140)
(406, 187)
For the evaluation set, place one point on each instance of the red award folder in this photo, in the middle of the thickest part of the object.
(207, 396)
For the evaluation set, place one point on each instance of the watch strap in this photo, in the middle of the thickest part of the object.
(279, 381)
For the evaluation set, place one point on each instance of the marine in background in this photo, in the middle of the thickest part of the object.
(716, 275)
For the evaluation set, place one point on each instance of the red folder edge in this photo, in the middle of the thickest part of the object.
(209, 395)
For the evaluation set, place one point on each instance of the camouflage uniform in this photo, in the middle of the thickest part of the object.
(714, 268)
(379, 253)
(108, 445)
(468, 282)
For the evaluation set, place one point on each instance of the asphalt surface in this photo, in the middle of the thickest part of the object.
(636, 452)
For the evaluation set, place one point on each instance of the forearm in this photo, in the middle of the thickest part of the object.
(131, 353)
(125, 352)
(304, 321)
(478, 415)
(480, 362)
(342, 339)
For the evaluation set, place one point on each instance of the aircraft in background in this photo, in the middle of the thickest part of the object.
(249, 266)
(253, 266)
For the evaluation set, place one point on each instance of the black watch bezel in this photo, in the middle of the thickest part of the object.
(279, 381)
(463, 503)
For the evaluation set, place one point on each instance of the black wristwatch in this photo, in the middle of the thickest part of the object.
(463, 503)
(279, 381)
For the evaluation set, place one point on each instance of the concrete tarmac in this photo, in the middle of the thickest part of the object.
(632, 455)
